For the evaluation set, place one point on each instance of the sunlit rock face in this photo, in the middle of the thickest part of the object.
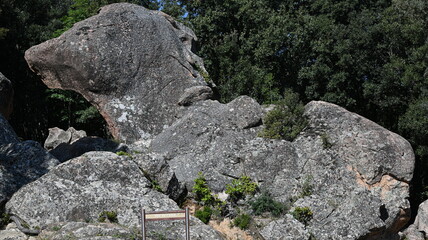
(133, 64)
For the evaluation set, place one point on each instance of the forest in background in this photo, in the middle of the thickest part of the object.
(369, 56)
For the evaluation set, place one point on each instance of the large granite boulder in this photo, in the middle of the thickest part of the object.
(357, 173)
(7, 134)
(419, 229)
(59, 136)
(135, 65)
(82, 188)
(20, 162)
(6, 96)
(65, 145)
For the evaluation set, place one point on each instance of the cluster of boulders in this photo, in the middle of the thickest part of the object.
(138, 68)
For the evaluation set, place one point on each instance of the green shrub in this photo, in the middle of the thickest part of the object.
(5, 219)
(242, 221)
(156, 186)
(202, 191)
(265, 203)
(240, 187)
(108, 215)
(204, 215)
(286, 120)
(122, 153)
(302, 214)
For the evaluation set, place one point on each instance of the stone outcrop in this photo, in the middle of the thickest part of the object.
(65, 145)
(135, 65)
(419, 229)
(20, 162)
(6, 96)
(58, 136)
(82, 188)
(358, 172)
(7, 135)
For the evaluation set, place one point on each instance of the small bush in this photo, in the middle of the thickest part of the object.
(156, 186)
(302, 214)
(265, 203)
(5, 219)
(204, 215)
(202, 191)
(242, 221)
(286, 120)
(240, 187)
(111, 216)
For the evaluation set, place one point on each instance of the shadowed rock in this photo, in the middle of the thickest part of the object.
(133, 64)
(6, 96)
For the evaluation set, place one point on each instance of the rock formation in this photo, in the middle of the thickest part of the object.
(82, 188)
(6, 96)
(20, 162)
(65, 145)
(133, 64)
(419, 229)
(138, 68)
(359, 179)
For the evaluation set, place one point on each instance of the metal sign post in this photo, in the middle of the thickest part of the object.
(165, 215)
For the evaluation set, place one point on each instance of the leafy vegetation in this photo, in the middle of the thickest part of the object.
(241, 187)
(205, 214)
(111, 216)
(266, 204)
(242, 221)
(302, 214)
(202, 192)
(286, 120)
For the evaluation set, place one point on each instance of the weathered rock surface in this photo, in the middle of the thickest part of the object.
(82, 188)
(57, 136)
(358, 185)
(6, 96)
(65, 145)
(133, 64)
(22, 163)
(287, 228)
(103, 231)
(208, 139)
(7, 135)
(419, 229)
(12, 233)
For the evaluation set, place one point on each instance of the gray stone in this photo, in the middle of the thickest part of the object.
(411, 233)
(6, 96)
(82, 188)
(67, 151)
(133, 64)
(419, 229)
(57, 136)
(208, 139)
(103, 231)
(7, 135)
(195, 94)
(12, 233)
(22, 163)
(160, 173)
(357, 188)
(421, 221)
(286, 228)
